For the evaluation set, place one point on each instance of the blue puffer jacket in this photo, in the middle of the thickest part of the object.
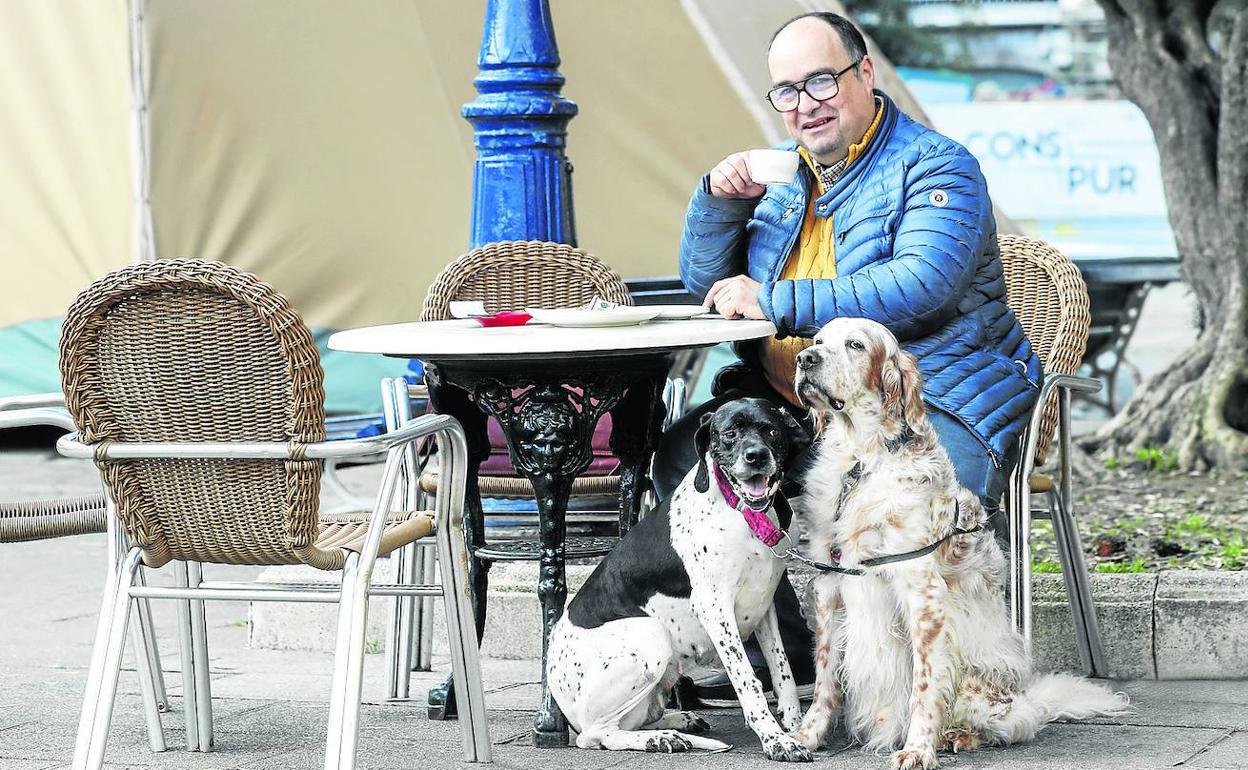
(916, 250)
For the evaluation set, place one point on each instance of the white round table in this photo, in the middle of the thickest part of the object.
(464, 338)
(548, 387)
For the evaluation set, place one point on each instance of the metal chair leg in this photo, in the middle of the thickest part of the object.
(199, 658)
(1078, 589)
(146, 651)
(342, 732)
(344, 697)
(1070, 550)
(148, 677)
(1013, 508)
(427, 565)
(405, 615)
(461, 625)
(186, 656)
(150, 647)
(424, 568)
(97, 704)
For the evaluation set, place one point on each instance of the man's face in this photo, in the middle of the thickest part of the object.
(826, 129)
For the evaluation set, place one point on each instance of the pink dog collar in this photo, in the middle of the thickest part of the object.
(757, 521)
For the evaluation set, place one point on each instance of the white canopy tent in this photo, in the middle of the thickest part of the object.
(320, 145)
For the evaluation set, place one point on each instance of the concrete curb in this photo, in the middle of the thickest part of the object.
(1184, 624)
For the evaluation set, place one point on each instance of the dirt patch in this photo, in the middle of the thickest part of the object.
(1136, 519)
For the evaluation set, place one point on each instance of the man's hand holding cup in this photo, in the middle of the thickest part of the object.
(744, 174)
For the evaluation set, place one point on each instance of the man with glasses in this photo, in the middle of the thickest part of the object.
(886, 220)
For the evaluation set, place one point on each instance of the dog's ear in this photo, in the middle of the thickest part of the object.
(784, 511)
(877, 363)
(799, 440)
(702, 443)
(890, 385)
(911, 388)
(901, 387)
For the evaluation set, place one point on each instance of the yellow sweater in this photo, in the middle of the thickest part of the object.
(813, 256)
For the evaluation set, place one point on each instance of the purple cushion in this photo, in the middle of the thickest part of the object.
(603, 463)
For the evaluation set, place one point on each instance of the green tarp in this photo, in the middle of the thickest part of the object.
(28, 364)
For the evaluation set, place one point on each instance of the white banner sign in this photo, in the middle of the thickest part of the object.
(1047, 160)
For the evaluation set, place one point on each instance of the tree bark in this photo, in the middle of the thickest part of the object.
(1185, 64)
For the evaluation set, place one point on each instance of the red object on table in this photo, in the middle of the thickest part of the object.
(505, 318)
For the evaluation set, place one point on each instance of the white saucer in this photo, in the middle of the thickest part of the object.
(618, 316)
(679, 311)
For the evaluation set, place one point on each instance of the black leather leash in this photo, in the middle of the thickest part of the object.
(877, 561)
(786, 549)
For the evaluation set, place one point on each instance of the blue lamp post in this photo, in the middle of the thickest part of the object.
(522, 187)
(522, 190)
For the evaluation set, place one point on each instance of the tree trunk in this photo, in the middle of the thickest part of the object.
(1186, 64)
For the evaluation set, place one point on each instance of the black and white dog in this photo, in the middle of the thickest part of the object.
(686, 585)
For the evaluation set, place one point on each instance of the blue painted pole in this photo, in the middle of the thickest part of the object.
(522, 186)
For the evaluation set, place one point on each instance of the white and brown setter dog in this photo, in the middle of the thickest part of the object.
(920, 653)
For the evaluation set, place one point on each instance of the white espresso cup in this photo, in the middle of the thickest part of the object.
(772, 166)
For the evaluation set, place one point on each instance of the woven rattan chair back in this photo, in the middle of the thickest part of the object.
(197, 351)
(513, 275)
(1047, 293)
(44, 519)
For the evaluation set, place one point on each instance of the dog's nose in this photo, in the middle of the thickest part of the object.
(807, 359)
(754, 455)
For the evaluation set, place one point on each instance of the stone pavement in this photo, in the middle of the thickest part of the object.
(270, 710)
(270, 705)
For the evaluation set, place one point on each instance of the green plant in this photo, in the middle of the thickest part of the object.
(1136, 565)
(372, 647)
(1235, 551)
(1194, 524)
(1157, 460)
(1046, 566)
(239, 623)
(1111, 462)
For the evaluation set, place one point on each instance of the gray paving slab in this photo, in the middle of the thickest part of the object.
(1202, 623)
(1221, 704)
(1229, 751)
(27, 764)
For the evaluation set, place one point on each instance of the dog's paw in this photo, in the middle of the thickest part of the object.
(668, 742)
(695, 723)
(912, 759)
(807, 736)
(783, 748)
(960, 740)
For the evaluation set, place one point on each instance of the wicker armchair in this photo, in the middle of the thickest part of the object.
(513, 275)
(198, 392)
(1048, 295)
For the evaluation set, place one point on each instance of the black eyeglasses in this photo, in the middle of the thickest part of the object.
(820, 86)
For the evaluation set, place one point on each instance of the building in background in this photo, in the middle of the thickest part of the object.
(1027, 89)
(1021, 48)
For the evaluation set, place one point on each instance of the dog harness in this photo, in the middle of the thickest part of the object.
(782, 546)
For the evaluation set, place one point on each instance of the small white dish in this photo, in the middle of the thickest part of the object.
(466, 308)
(679, 311)
(618, 316)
